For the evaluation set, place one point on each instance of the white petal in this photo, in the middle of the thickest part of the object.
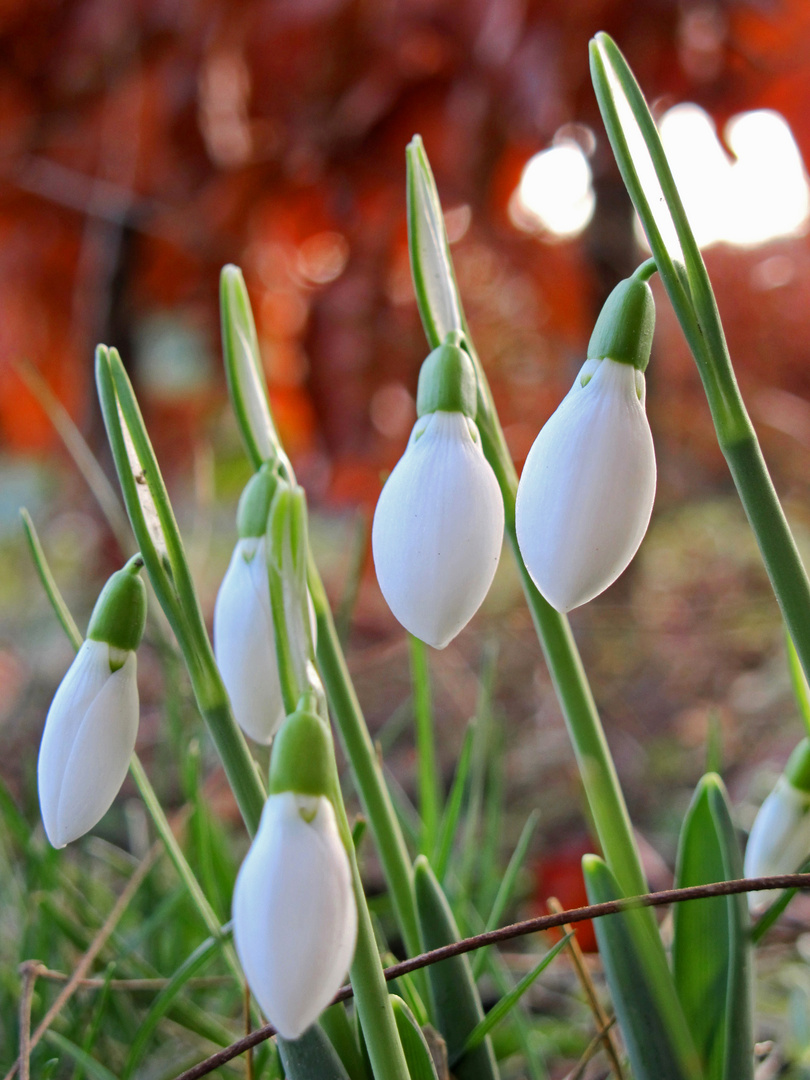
(779, 841)
(244, 643)
(587, 490)
(295, 919)
(438, 529)
(87, 743)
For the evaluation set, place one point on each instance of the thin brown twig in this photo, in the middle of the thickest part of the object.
(200, 982)
(92, 952)
(603, 1022)
(506, 933)
(28, 974)
(601, 1036)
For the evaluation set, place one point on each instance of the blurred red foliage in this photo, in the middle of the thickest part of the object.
(145, 143)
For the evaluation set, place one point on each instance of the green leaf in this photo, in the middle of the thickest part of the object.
(646, 173)
(457, 1008)
(507, 884)
(340, 1032)
(243, 367)
(508, 1001)
(653, 1025)
(48, 581)
(452, 810)
(92, 1067)
(414, 1043)
(167, 998)
(711, 942)
(432, 268)
(801, 691)
(312, 1057)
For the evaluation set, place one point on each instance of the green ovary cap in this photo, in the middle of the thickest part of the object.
(254, 503)
(447, 381)
(301, 759)
(624, 329)
(120, 612)
(797, 769)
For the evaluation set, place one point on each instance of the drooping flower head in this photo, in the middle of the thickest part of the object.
(779, 841)
(586, 493)
(244, 638)
(294, 911)
(438, 525)
(92, 723)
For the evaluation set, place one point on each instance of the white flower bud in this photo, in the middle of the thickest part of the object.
(588, 485)
(779, 841)
(244, 643)
(88, 740)
(438, 529)
(294, 912)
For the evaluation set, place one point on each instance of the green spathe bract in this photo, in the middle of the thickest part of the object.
(624, 329)
(447, 381)
(301, 756)
(255, 502)
(119, 616)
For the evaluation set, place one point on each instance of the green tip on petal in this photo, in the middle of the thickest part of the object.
(624, 329)
(797, 769)
(119, 616)
(447, 381)
(301, 759)
(255, 502)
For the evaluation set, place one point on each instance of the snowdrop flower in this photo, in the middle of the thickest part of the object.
(779, 841)
(586, 493)
(244, 640)
(294, 912)
(92, 723)
(438, 526)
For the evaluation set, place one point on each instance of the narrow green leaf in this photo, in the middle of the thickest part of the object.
(340, 1032)
(312, 1057)
(92, 1067)
(83, 457)
(653, 1025)
(772, 914)
(452, 809)
(432, 268)
(798, 680)
(479, 768)
(414, 1043)
(247, 385)
(645, 170)
(195, 963)
(55, 597)
(508, 882)
(508, 1001)
(457, 1008)
(711, 944)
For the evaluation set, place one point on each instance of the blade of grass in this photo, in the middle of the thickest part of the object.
(508, 1001)
(452, 809)
(508, 882)
(93, 1068)
(470, 849)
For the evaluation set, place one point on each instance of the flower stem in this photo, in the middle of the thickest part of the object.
(429, 809)
(599, 777)
(365, 766)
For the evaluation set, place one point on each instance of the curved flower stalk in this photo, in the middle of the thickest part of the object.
(586, 493)
(92, 723)
(294, 911)
(438, 526)
(779, 841)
